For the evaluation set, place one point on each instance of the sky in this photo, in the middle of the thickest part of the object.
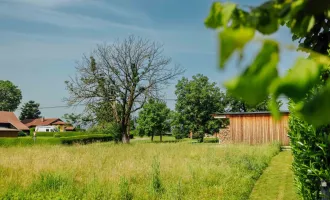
(41, 40)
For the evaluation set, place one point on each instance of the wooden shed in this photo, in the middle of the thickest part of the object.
(256, 127)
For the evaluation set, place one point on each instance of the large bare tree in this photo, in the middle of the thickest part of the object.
(124, 74)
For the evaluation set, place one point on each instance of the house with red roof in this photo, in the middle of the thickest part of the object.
(31, 123)
(10, 125)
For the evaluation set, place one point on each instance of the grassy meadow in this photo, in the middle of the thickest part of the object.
(135, 171)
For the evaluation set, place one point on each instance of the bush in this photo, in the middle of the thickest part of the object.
(45, 134)
(179, 137)
(21, 134)
(74, 133)
(28, 141)
(112, 129)
(211, 140)
(311, 150)
(85, 139)
(57, 135)
(32, 131)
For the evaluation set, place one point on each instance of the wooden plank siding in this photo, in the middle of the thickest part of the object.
(258, 129)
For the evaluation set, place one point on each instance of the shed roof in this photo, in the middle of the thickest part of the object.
(10, 117)
(249, 113)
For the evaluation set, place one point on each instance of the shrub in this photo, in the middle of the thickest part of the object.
(85, 139)
(32, 131)
(112, 129)
(57, 135)
(211, 140)
(21, 134)
(179, 137)
(74, 133)
(134, 132)
(45, 134)
(311, 150)
(28, 141)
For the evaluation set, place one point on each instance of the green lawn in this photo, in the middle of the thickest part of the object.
(276, 183)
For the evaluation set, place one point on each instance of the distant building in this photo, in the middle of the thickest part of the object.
(31, 123)
(10, 125)
(254, 128)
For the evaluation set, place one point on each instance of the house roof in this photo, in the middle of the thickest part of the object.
(70, 128)
(10, 117)
(41, 121)
(59, 123)
(249, 113)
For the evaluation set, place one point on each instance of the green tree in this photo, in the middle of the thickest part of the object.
(122, 76)
(239, 105)
(30, 110)
(197, 99)
(154, 119)
(78, 120)
(10, 97)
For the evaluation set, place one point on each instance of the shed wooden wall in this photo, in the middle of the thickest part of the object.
(258, 129)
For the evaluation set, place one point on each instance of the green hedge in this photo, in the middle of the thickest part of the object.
(28, 141)
(211, 140)
(64, 134)
(85, 139)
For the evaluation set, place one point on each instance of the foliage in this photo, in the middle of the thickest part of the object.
(311, 150)
(28, 141)
(45, 134)
(239, 105)
(21, 134)
(32, 131)
(92, 172)
(85, 139)
(112, 129)
(211, 140)
(179, 129)
(10, 97)
(308, 22)
(64, 134)
(30, 110)
(79, 121)
(197, 99)
(122, 76)
(153, 119)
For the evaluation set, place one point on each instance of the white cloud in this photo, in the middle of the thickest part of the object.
(61, 19)
(97, 4)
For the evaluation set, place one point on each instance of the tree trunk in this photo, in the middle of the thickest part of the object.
(125, 136)
(161, 137)
(152, 137)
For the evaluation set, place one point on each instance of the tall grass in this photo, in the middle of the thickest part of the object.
(136, 171)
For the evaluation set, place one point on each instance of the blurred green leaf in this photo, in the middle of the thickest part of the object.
(298, 81)
(219, 14)
(232, 40)
(253, 84)
(316, 110)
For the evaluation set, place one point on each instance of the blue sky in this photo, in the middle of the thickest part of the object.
(40, 40)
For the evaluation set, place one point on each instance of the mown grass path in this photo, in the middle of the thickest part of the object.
(276, 183)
